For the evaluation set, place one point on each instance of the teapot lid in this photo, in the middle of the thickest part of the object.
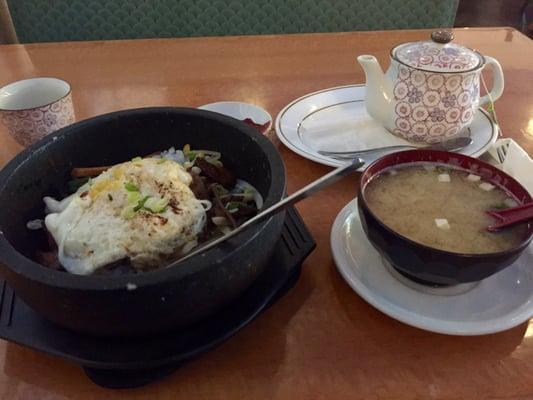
(438, 54)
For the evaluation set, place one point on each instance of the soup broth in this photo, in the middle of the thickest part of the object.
(442, 207)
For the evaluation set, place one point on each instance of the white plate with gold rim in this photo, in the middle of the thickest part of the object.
(499, 302)
(335, 119)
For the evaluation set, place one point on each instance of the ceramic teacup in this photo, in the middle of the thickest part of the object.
(33, 108)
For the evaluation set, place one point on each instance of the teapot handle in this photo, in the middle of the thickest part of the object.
(497, 86)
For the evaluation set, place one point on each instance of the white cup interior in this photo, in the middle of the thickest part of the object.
(32, 93)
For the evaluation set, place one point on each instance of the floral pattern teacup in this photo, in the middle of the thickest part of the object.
(32, 108)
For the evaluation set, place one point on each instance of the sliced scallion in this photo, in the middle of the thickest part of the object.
(232, 206)
(216, 163)
(131, 187)
(248, 193)
(141, 203)
(219, 190)
(133, 198)
(155, 205)
(192, 155)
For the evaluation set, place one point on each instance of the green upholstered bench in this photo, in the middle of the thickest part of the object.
(66, 20)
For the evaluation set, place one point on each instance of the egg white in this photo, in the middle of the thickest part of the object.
(90, 231)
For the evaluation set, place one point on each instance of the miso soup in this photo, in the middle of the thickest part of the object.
(442, 207)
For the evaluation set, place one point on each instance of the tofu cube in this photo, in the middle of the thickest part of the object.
(444, 178)
(442, 223)
(486, 186)
(473, 178)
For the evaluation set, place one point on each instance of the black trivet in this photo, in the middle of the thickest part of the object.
(132, 362)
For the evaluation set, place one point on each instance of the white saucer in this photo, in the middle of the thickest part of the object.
(240, 111)
(336, 119)
(500, 302)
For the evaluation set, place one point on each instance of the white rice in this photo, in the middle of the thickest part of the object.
(173, 154)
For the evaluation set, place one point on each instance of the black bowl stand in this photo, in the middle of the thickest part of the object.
(132, 362)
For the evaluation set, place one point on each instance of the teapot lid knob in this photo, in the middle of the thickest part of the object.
(442, 36)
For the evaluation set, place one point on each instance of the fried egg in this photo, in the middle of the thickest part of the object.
(142, 210)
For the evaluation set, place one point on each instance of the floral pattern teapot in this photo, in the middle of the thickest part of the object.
(430, 92)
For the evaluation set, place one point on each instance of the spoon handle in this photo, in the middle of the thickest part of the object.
(354, 153)
(453, 144)
(301, 194)
(510, 216)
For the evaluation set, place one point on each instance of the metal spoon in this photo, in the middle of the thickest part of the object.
(301, 194)
(447, 145)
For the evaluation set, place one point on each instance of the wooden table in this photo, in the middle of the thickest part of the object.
(321, 340)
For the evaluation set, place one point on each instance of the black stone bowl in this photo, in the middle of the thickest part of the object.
(426, 264)
(168, 298)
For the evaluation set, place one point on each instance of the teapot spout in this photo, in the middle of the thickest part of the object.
(378, 89)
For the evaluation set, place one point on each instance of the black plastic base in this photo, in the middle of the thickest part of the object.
(123, 379)
(132, 362)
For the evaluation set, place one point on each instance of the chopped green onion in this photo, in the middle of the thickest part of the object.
(232, 205)
(192, 155)
(128, 212)
(136, 159)
(186, 149)
(219, 190)
(141, 203)
(133, 198)
(248, 193)
(162, 161)
(500, 206)
(131, 187)
(215, 155)
(156, 205)
(216, 163)
(90, 181)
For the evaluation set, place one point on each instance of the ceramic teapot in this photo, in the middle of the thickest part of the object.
(431, 90)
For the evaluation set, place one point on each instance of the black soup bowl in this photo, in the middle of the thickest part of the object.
(170, 297)
(429, 265)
